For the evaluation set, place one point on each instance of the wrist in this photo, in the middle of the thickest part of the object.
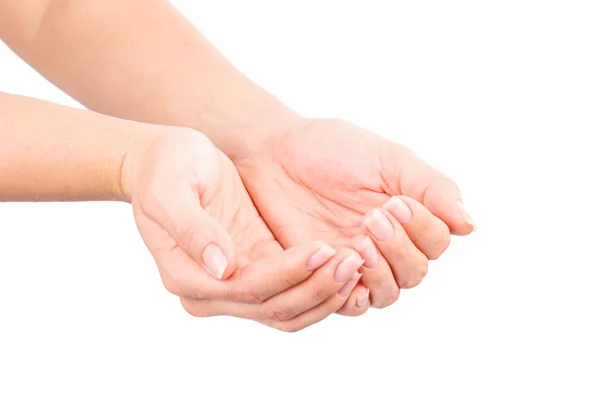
(241, 117)
(241, 137)
(133, 158)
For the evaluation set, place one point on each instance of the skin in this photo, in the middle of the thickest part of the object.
(333, 208)
(174, 174)
(186, 196)
(152, 65)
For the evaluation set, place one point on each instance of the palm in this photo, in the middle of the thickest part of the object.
(229, 203)
(318, 181)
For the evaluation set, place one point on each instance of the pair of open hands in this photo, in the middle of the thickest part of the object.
(322, 217)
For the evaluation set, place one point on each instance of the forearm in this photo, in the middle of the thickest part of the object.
(142, 60)
(54, 153)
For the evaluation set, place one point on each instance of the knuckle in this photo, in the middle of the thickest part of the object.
(418, 275)
(319, 294)
(403, 247)
(278, 314)
(244, 296)
(442, 241)
(390, 297)
(290, 281)
(188, 235)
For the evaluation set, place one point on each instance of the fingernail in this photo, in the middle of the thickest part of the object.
(319, 258)
(362, 300)
(465, 215)
(347, 267)
(399, 209)
(369, 253)
(347, 288)
(378, 224)
(215, 260)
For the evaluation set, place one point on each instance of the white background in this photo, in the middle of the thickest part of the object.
(503, 96)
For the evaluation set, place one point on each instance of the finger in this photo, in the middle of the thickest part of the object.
(442, 198)
(408, 264)
(270, 276)
(301, 305)
(206, 308)
(324, 283)
(334, 277)
(438, 193)
(377, 274)
(200, 236)
(430, 234)
(258, 280)
(358, 302)
(179, 273)
(317, 313)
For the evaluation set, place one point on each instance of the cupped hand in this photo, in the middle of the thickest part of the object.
(331, 181)
(211, 246)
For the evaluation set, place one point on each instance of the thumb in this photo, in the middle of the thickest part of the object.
(199, 235)
(442, 197)
(438, 193)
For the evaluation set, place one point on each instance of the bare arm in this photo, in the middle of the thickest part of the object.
(50, 152)
(141, 60)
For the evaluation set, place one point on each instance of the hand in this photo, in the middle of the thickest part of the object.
(211, 246)
(316, 179)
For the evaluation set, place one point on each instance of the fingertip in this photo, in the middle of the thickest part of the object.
(444, 201)
(360, 294)
(466, 217)
(320, 256)
(349, 286)
(365, 247)
(230, 269)
(460, 222)
(401, 207)
(362, 299)
(346, 252)
(215, 261)
(377, 224)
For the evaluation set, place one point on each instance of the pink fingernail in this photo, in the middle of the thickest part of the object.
(465, 215)
(399, 209)
(320, 257)
(378, 224)
(362, 300)
(215, 260)
(347, 288)
(347, 267)
(368, 251)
